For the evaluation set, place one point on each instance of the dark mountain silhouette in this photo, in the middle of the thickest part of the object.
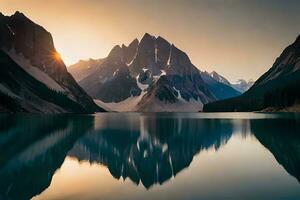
(151, 155)
(277, 89)
(30, 155)
(150, 75)
(281, 138)
(154, 154)
(28, 47)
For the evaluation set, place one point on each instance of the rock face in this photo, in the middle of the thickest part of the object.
(243, 85)
(27, 49)
(219, 86)
(151, 75)
(84, 68)
(283, 142)
(277, 88)
(219, 78)
(112, 81)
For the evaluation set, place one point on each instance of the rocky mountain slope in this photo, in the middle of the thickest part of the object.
(278, 88)
(219, 86)
(150, 75)
(241, 85)
(33, 76)
(83, 68)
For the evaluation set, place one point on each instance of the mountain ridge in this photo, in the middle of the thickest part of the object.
(274, 90)
(151, 62)
(154, 59)
(31, 47)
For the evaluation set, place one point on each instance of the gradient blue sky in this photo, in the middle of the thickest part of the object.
(238, 38)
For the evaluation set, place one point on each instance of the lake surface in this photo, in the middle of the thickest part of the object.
(132, 156)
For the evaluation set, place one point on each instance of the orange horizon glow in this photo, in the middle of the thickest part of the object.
(238, 39)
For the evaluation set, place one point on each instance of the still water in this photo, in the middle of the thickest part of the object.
(150, 156)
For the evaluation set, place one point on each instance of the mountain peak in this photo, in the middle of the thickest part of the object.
(115, 51)
(147, 36)
(162, 40)
(298, 40)
(135, 41)
(18, 14)
(219, 78)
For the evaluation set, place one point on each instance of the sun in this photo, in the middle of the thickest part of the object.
(56, 56)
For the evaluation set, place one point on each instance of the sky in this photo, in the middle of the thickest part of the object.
(236, 38)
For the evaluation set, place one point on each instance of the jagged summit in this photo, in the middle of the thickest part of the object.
(147, 36)
(31, 48)
(298, 39)
(148, 73)
(22, 17)
(297, 44)
(219, 78)
(19, 14)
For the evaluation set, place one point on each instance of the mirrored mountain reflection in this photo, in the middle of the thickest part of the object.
(32, 148)
(282, 138)
(150, 149)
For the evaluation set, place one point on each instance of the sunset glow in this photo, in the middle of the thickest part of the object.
(56, 56)
(238, 39)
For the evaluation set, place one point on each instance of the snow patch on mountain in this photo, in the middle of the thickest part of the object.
(128, 105)
(131, 105)
(115, 73)
(8, 92)
(143, 87)
(34, 71)
(219, 78)
(155, 51)
(162, 73)
(10, 29)
(179, 94)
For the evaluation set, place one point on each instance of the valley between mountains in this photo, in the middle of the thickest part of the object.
(148, 75)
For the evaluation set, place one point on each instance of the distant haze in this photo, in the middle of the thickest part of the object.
(237, 38)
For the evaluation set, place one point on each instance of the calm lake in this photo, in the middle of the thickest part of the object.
(133, 156)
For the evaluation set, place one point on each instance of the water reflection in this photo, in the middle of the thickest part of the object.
(282, 138)
(156, 151)
(147, 149)
(32, 149)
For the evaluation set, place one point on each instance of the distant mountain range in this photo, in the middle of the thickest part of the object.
(33, 77)
(150, 75)
(241, 85)
(277, 89)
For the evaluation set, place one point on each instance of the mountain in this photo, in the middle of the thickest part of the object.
(151, 154)
(219, 85)
(281, 138)
(277, 89)
(219, 78)
(242, 85)
(84, 68)
(42, 149)
(33, 76)
(151, 75)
